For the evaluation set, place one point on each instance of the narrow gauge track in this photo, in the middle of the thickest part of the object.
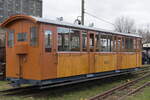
(34, 90)
(57, 85)
(136, 90)
(113, 92)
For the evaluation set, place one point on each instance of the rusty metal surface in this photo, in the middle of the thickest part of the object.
(135, 90)
(123, 86)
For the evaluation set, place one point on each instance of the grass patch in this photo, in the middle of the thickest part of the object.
(4, 85)
(144, 95)
(80, 91)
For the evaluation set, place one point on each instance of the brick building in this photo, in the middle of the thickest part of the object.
(12, 7)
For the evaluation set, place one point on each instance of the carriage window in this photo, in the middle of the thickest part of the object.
(48, 41)
(63, 38)
(91, 41)
(110, 43)
(21, 37)
(139, 44)
(33, 36)
(74, 40)
(84, 41)
(134, 43)
(10, 39)
(104, 44)
(123, 43)
(129, 44)
(98, 42)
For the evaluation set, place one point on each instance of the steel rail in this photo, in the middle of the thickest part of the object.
(61, 84)
(135, 90)
(109, 92)
(57, 84)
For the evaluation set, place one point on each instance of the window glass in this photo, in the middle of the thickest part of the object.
(139, 42)
(74, 40)
(63, 38)
(21, 37)
(134, 43)
(33, 36)
(48, 41)
(129, 44)
(91, 41)
(114, 43)
(68, 39)
(106, 43)
(84, 41)
(109, 43)
(123, 43)
(98, 42)
(103, 41)
(119, 45)
(10, 39)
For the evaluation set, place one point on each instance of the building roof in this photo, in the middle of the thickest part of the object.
(61, 23)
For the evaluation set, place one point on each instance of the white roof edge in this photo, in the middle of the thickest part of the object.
(81, 26)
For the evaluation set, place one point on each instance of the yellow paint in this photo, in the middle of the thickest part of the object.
(105, 62)
(72, 64)
(82, 63)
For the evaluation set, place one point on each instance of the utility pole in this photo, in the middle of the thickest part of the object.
(82, 12)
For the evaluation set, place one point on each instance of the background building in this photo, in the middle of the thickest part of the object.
(12, 7)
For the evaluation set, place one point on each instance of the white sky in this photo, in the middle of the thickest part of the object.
(139, 10)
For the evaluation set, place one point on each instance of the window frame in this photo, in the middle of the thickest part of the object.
(79, 38)
(13, 38)
(23, 37)
(60, 29)
(66, 44)
(84, 49)
(50, 42)
(36, 38)
(89, 47)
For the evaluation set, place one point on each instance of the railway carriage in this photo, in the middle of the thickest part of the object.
(41, 51)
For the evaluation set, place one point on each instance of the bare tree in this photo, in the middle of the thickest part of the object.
(124, 24)
(145, 33)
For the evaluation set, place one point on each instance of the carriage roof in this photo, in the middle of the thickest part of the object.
(61, 23)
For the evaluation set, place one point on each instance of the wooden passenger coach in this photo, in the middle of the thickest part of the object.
(40, 50)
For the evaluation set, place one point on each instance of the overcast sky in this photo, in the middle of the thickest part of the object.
(139, 10)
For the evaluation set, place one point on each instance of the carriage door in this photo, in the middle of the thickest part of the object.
(91, 50)
(21, 41)
(119, 54)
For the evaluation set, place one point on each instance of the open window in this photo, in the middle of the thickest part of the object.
(63, 38)
(106, 43)
(103, 41)
(74, 40)
(84, 40)
(98, 42)
(68, 39)
(119, 43)
(91, 41)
